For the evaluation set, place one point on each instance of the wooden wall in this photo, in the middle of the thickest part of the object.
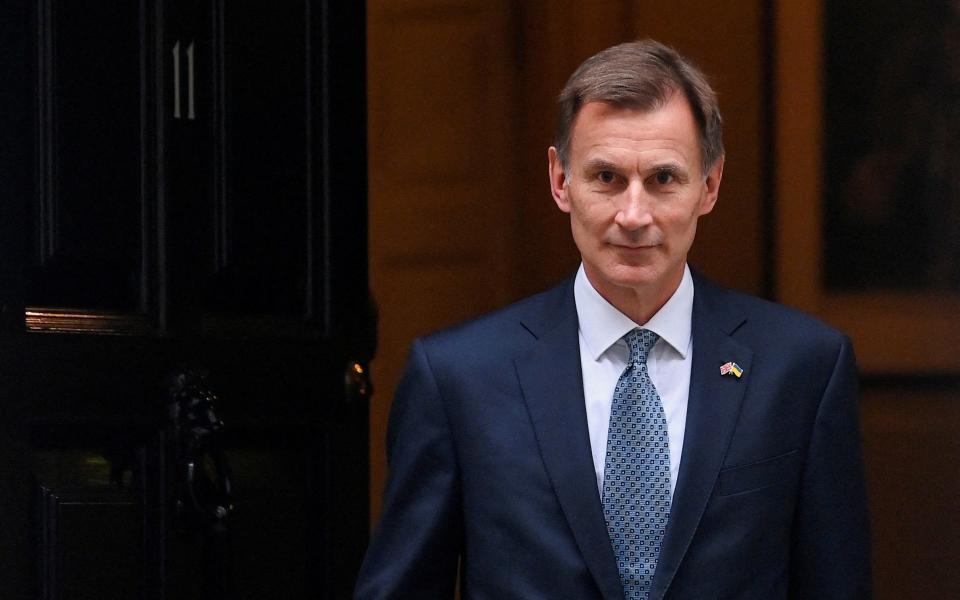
(443, 216)
(461, 112)
(911, 442)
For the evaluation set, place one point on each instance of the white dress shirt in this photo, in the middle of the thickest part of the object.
(604, 356)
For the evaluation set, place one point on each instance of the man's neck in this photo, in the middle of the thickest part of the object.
(640, 303)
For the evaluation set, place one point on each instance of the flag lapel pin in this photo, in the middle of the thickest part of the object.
(731, 368)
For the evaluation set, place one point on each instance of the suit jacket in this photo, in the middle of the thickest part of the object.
(491, 471)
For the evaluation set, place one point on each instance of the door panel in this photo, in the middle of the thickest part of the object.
(263, 233)
(87, 236)
(184, 321)
(82, 507)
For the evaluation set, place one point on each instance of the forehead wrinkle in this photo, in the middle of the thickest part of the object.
(614, 148)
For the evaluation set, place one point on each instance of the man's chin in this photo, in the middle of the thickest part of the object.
(635, 277)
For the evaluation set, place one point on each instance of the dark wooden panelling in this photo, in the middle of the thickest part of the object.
(338, 292)
(181, 189)
(189, 156)
(86, 378)
(114, 526)
(244, 158)
(253, 155)
(912, 454)
(17, 153)
(262, 260)
(271, 550)
(88, 234)
(91, 523)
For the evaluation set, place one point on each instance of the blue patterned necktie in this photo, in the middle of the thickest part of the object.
(636, 472)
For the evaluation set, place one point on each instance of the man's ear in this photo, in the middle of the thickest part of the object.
(558, 180)
(712, 187)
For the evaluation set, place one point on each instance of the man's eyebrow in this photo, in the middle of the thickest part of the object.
(677, 170)
(599, 164)
(669, 167)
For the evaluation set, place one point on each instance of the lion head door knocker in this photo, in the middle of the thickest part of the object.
(204, 497)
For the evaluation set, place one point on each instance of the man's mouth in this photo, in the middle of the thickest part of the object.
(635, 246)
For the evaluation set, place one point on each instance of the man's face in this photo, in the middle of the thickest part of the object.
(635, 190)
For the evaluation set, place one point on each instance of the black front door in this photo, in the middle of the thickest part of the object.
(184, 314)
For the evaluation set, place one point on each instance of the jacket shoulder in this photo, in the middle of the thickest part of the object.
(507, 330)
(772, 329)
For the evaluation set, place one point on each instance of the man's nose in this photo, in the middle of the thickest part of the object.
(634, 211)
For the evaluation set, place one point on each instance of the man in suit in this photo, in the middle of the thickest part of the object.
(636, 432)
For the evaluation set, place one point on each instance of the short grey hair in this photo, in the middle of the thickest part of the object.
(642, 74)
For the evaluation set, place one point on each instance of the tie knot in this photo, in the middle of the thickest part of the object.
(640, 341)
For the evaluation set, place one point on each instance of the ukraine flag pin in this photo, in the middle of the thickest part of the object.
(731, 367)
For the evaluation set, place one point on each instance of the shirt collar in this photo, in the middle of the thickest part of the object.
(602, 325)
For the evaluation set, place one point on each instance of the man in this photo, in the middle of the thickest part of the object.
(637, 431)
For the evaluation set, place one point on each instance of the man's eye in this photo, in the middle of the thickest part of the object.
(606, 176)
(663, 177)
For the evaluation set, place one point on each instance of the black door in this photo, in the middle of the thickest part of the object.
(184, 315)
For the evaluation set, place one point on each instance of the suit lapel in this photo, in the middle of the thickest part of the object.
(712, 410)
(552, 384)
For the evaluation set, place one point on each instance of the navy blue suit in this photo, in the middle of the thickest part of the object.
(490, 463)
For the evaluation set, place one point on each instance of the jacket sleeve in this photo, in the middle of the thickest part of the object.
(831, 556)
(415, 548)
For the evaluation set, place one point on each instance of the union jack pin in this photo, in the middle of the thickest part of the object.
(731, 367)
